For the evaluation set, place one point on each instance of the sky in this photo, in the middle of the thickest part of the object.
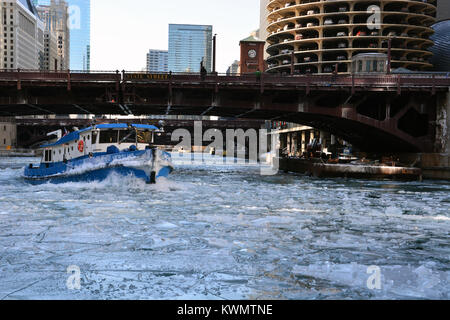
(122, 32)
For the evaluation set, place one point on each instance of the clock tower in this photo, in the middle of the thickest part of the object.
(252, 55)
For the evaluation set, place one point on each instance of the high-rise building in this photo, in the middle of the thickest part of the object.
(326, 34)
(263, 24)
(443, 10)
(189, 45)
(51, 58)
(21, 35)
(79, 24)
(55, 17)
(157, 61)
(441, 48)
(233, 69)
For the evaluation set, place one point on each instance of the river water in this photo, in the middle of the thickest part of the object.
(215, 231)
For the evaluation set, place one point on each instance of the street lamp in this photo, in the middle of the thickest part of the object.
(389, 62)
(214, 53)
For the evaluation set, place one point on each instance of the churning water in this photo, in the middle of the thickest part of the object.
(223, 232)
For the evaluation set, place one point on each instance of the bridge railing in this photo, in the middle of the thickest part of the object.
(358, 80)
(69, 75)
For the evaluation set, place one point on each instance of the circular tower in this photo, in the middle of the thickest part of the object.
(322, 35)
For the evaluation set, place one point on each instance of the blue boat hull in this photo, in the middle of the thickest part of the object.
(100, 175)
(107, 164)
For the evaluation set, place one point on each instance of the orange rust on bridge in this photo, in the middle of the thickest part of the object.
(377, 112)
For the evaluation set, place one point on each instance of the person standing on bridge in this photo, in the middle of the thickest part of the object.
(203, 71)
(258, 74)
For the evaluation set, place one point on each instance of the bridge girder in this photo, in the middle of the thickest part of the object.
(374, 118)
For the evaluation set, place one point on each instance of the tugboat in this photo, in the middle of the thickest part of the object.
(93, 153)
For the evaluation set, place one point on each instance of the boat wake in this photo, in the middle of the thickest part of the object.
(113, 181)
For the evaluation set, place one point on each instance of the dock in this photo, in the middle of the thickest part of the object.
(318, 168)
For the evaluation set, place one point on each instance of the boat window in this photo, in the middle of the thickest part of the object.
(47, 156)
(127, 136)
(144, 137)
(109, 136)
(94, 137)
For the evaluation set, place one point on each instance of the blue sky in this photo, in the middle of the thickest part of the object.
(123, 31)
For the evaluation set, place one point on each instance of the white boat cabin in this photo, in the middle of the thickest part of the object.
(97, 139)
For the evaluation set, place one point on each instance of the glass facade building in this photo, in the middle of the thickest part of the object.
(189, 45)
(79, 23)
(441, 48)
(157, 61)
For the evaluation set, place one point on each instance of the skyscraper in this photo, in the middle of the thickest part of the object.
(55, 17)
(157, 61)
(263, 24)
(79, 23)
(233, 69)
(21, 36)
(189, 45)
(443, 10)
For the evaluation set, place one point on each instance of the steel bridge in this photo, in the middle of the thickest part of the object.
(393, 112)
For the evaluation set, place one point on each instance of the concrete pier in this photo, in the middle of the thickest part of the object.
(8, 134)
(437, 165)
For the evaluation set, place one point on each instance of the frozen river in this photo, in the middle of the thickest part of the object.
(223, 232)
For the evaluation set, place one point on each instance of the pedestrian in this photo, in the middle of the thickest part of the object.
(203, 73)
(258, 74)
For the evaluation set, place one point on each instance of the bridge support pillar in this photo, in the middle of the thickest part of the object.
(437, 165)
(443, 123)
(304, 142)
